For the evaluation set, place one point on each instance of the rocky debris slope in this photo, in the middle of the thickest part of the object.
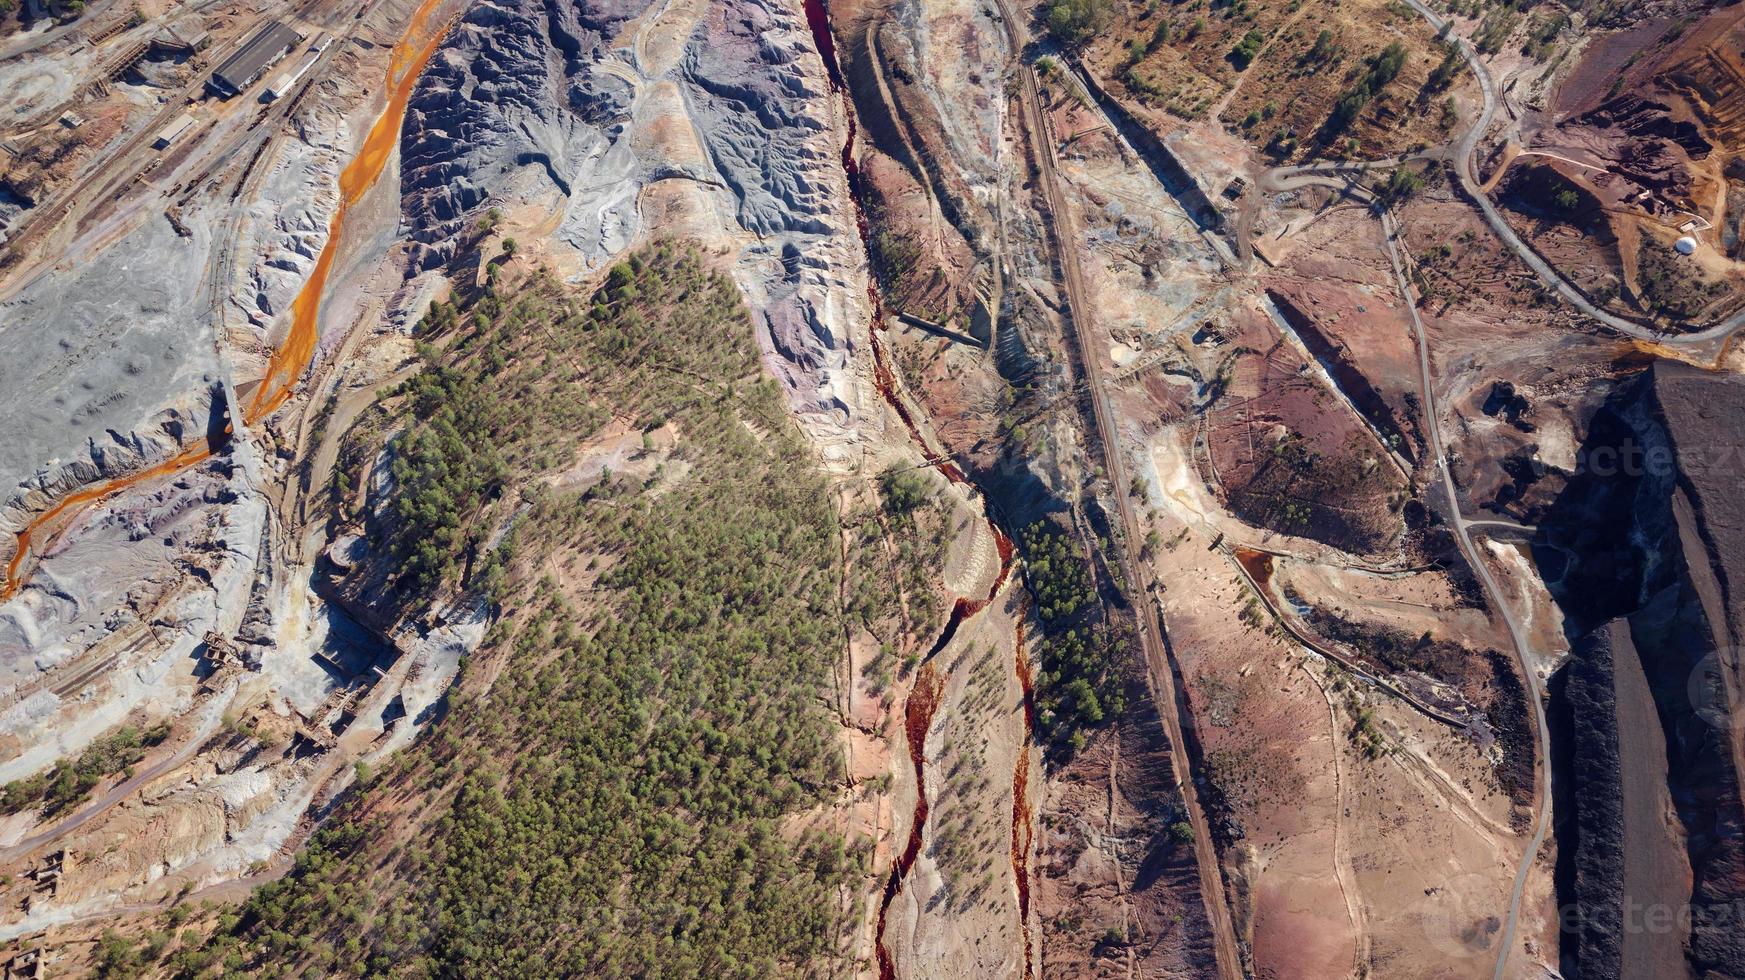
(574, 108)
(755, 110)
(1594, 860)
(1652, 541)
(517, 96)
(287, 224)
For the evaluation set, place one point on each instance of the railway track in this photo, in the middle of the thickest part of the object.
(1159, 672)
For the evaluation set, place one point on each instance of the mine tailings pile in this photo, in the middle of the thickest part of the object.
(14, 578)
(410, 55)
(965, 607)
(929, 683)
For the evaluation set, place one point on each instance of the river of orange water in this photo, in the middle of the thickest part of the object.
(410, 55)
(73, 501)
(298, 347)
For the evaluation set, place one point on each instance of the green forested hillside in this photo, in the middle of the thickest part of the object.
(621, 799)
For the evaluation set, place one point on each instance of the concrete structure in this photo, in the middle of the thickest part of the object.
(30, 964)
(261, 51)
(1685, 245)
(281, 86)
(182, 41)
(120, 64)
(169, 134)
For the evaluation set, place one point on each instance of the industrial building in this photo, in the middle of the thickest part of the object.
(281, 86)
(169, 134)
(263, 48)
(184, 40)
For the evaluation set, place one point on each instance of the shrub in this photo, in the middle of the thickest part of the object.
(1074, 22)
(904, 488)
(1243, 54)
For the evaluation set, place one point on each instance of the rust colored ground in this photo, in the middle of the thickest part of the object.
(917, 719)
(1023, 826)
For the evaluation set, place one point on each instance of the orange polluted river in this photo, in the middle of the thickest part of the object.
(293, 355)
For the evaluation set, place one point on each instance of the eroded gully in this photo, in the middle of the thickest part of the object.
(924, 697)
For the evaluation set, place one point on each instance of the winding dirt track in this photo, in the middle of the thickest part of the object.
(1460, 153)
(1463, 537)
(1463, 151)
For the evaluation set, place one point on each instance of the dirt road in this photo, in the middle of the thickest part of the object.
(121, 791)
(1462, 159)
(1517, 637)
(1346, 183)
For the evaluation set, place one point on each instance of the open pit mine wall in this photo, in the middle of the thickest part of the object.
(1646, 538)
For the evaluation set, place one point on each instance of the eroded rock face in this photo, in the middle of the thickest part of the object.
(762, 111)
(756, 110)
(287, 225)
(515, 88)
(591, 108)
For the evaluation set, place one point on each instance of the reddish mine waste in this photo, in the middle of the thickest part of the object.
(887, 385)
(917, 719)
(1003, 545)
(1023, 828)
(929, 684)
(818, 19)
(1258, 564)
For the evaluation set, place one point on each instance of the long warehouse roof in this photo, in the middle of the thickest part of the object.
(260, 50)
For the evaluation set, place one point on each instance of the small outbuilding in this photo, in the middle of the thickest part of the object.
(169, 134)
